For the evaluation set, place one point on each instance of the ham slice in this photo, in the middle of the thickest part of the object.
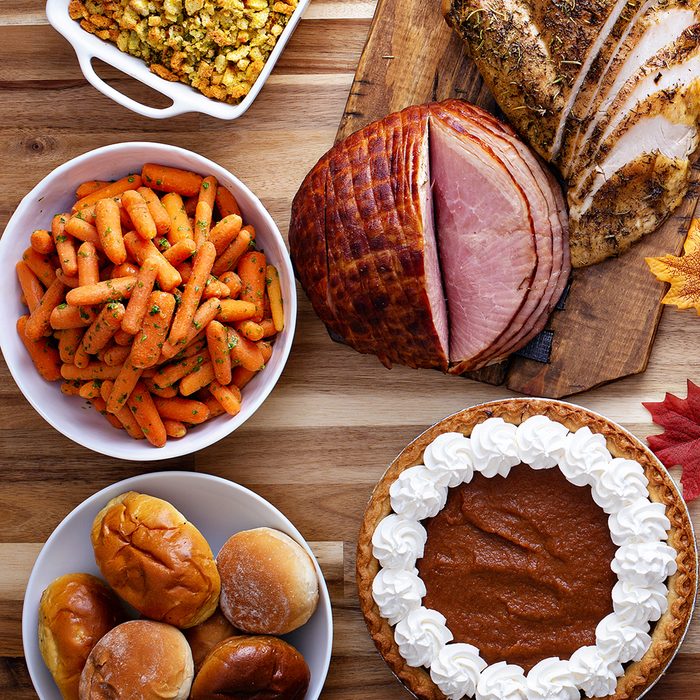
(431, 238)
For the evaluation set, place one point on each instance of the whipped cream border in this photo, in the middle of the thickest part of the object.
(642, 563)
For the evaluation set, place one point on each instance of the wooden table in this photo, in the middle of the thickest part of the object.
(337, 418)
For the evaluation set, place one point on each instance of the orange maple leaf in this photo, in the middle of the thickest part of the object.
(683, 273)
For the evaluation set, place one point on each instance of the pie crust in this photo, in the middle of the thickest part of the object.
(667, 633)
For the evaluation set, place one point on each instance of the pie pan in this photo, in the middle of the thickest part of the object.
(669, 631)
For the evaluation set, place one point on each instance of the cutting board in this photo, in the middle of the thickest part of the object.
(607, 326)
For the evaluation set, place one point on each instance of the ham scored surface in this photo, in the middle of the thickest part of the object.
(431, 238)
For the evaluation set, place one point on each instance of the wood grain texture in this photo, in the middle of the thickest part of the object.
(336, 418)
(411, 57)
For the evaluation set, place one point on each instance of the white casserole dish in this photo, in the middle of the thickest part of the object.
(184, 98)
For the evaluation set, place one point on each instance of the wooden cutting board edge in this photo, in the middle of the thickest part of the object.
(608, 326)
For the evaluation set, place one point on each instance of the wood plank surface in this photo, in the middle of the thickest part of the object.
(337, 418)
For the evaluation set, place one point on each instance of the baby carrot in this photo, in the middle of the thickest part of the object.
(70, 388)
(65, 245)
(31, 287)
(231, 255)
(141, 249)
(168, 392)
(194, 348)
(215, 408)
(81, 359)
(185, 410)
(71, 281)
(156, 323)
(268, 327)
(204, 209)
(242, 376)
(95, 370)
(86, 188)
(274, 292)
(228, 396)
(251, 270)
(181, 251)
(156, 209)
(124, 415)
(39, 322)
(124, 382)
(103, 328)
(167, 375)
(122, 338)
(191, 207)
(166, 179)
(200, 377)
(139, 213)
(140, 403)
(251, 330)
(91, 389)
(110, 290)
(40, 265)
(244, 352)
(225, 231)
(226, 202)
(67, 316)
(217, 343)
(83, 231)
(126, 269)
(89, 214)
(45, 358)
(88, 265)
(109, 229)
(193, 292)
(214, 288)
(185, 270)
(116, 355)
(205, 313)
(101, 407)
(68, 342)
(136, 308)
(174, 428)
(179, 222)
(233, 282)
(42, 242)
(112, 189)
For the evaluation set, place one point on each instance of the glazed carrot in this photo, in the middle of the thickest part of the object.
(139, 213)
(168, 392)
(185, 270)
(179, 222)
(167, 375)
(185, 410)
(101, 407)
(231, 255)
(140, 403)
(194, 348)
(190, 205)
(251, 269)
(39, 322)
(174, 428)
(181, 251)
(166, 179)
(109, 229)
(124, 383)
(244, 352)
(45, 358)
(71, 388)
(42, 242)
(242, 376)
(201, 377)
(31, 287)
(249, 329)
(124, 415)
(226, 202)
(40, 265)
(88, 265)
(228, 397)
(122, 338)
(157, 210)
(88, 215)
(233, 282)
(91, 389)
(217, 343)
(71, 281)
(116, 355)
(95, 370)
(110, 290)
(68, 342)
(154, 329)
(136, 308)
(193, 292)
(215, 408)
(83, 231)
(225, 231)
(86, 188)
(274, 292)
(81, 358)
(204, 314)
(65, 245)
(205, 209)
(268, 327)
(214, 288)
(126, 269)
(130, 182)
(67, 316)
(103, 328)
(141, 249)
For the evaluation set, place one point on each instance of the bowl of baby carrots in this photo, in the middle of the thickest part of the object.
(153, 297)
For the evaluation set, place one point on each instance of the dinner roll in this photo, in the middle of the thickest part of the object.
(252, 668)
(75, 612)
(206, 635)
(268, 582)
(155, 560)
(139, 660)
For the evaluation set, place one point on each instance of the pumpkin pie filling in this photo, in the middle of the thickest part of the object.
(520, 566)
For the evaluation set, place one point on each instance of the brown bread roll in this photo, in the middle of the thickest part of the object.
(252, 668)
(268, 582)
(206, 635)
(139, 660)
(75, 612)
(155, 560)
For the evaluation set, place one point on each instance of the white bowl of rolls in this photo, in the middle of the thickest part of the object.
(56, 193)
(275, 555)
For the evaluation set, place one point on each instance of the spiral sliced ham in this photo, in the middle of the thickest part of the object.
(431, 238)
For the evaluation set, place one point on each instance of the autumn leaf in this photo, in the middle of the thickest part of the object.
(682, 272)
(679, 444)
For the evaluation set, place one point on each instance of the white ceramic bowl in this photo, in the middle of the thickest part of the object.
(55, 193)
(184, 98)
(218, 508)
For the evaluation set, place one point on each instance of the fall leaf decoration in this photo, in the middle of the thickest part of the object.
(679, 444)
(682, 272)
